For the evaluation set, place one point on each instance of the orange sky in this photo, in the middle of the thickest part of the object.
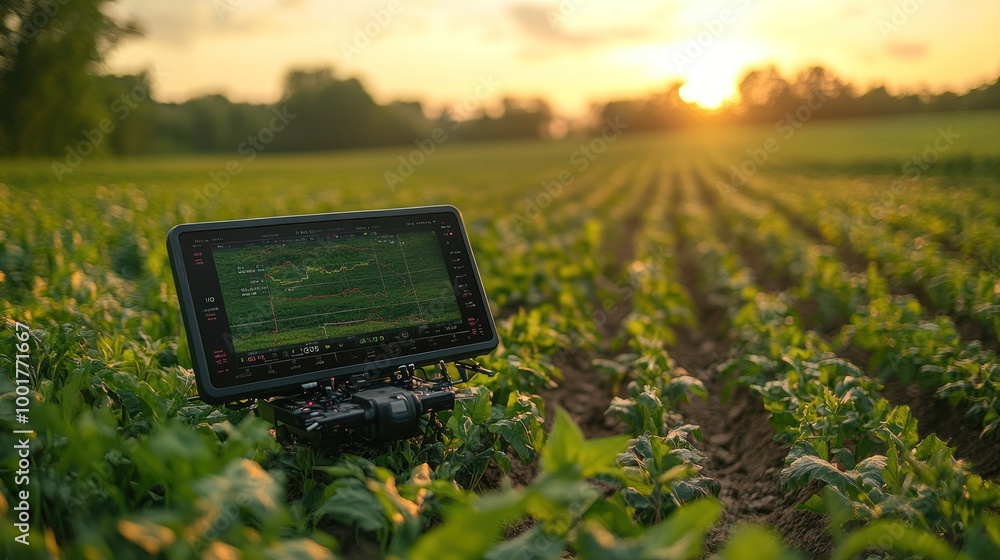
(571, 52)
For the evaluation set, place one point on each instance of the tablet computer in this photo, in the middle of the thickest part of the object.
(271, 305)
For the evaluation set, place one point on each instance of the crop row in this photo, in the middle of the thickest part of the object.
(841, 433)
(904, 340)
(916, 244)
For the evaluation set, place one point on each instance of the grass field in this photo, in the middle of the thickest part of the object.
(733, 341)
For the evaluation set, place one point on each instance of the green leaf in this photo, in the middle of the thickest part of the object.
(680, 536)
(501, 459)
(533, 544)
(352, 504)
(597, 456)
(809, 468)
(567, 451)
(685, 529)
(564, 442)
(461, 426)
(679, 387)
(468, 532)
(755, 541)
(677, 472)
(614, 516)
(688, 490)
(896, 536)
(297, 549)
(514, 434)
(903, 424)
(814, 504)
(870, 470)
(348, 466)
(478, 408)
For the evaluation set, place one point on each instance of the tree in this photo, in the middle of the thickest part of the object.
(50, 51)
(520, 119)
(762, 87)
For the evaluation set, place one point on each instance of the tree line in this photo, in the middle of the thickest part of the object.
(54, 99)
(767, 96)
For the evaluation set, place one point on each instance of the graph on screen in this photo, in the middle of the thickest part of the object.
(300, 291)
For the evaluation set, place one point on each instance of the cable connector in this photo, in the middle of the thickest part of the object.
(465, 367)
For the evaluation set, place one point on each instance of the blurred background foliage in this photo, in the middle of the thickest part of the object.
(53, 92)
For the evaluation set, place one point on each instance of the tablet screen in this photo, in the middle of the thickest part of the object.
(278, 302)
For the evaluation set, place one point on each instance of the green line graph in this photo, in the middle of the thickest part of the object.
(301, 291)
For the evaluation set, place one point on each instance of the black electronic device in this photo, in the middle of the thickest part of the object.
(326, 318)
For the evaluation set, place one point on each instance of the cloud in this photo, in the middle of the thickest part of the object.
(180, 22)
(543, 24)
(854, 11)
(176, 22)
(899, 49)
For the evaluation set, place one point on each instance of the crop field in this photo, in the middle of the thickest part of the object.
(723, 342)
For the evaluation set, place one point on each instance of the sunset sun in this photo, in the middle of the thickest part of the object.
(711, 85)
(709, 94)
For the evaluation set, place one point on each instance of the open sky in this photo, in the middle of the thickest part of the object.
(570, 52)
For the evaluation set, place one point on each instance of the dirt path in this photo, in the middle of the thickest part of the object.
(585, 392)
(738, 438)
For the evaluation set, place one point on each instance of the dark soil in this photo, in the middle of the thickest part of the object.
(742, 453)
(586, 393)
(737, 437)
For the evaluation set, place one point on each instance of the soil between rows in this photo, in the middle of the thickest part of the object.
(738, 439)
(584, 392)
(737, 436)
(742, 453)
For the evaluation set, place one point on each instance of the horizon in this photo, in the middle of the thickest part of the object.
(553, 50)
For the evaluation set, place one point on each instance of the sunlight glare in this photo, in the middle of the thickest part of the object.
(711, 85)
(706, 94)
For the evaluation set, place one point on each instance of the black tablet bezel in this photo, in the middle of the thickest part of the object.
(211, 393)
